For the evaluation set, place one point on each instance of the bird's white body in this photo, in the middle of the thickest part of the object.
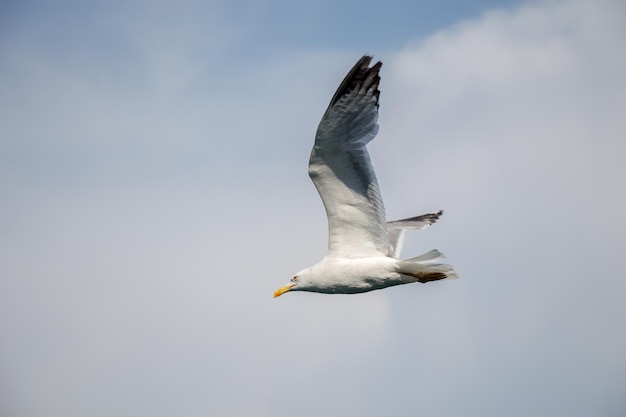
(363, 248)
(334, 275)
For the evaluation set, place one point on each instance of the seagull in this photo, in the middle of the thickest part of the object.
(363, 248)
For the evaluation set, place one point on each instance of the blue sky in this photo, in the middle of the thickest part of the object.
(154, 194)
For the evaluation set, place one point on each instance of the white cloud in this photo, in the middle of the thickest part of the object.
(509, 122)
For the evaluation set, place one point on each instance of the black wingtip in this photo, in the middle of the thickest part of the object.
(428, 217)
(360, 76)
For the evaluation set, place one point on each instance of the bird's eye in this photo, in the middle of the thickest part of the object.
(294, 279)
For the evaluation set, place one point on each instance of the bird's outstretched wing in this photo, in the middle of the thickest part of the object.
(341, 169)
(398, 227)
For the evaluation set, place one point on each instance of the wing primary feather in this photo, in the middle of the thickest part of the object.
(418, 222)
(361, 75)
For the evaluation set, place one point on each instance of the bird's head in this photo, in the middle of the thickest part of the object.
(299, 282)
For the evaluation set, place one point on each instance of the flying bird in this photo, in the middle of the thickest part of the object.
(363, 248)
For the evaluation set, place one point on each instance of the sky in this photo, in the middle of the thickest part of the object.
(154, 193)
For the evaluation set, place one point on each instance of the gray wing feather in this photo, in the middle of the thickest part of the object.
(397, 229)
(341, 169)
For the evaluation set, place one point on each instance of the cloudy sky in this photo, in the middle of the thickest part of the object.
(153, 194)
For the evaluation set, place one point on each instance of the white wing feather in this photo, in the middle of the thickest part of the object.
(341, 169)
(397, 229)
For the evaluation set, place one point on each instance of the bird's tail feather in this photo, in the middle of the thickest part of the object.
(427, 267)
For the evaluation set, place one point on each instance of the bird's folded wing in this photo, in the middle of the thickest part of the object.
(341, 169)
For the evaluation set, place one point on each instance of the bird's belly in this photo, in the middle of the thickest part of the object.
(352, 276)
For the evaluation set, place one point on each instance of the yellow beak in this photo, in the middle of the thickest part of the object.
(283, 290)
